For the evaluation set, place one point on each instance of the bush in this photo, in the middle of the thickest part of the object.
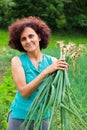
(6, 12)
(7, 87)
(7, 92)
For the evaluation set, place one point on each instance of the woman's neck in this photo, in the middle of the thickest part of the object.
(36, 56)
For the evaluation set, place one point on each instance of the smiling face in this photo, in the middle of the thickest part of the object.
(30, 40)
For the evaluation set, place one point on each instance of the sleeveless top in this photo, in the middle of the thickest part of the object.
(20, 106)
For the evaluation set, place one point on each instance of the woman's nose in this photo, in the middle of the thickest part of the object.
(28, 40)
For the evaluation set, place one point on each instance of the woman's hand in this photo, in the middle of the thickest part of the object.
(57, 65)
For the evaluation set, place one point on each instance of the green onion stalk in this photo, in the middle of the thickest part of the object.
(53, 95)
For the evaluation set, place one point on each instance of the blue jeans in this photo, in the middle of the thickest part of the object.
(14, 124)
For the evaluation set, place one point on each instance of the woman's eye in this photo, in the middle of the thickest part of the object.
(23, 39)
(31, 36)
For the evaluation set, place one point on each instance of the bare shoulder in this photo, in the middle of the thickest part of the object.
(15, 61)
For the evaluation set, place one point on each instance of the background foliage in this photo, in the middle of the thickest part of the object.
(59, 15)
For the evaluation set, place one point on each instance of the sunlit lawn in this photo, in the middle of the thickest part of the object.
(3, 37)
(66, 37)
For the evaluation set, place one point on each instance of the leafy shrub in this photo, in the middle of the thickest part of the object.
(7, 92)
(7, 87)
(6, 55)
(6, 12)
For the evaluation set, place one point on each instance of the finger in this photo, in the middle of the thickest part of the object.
(63, 66)
(61, 63)
(67, 68)
(61, 60)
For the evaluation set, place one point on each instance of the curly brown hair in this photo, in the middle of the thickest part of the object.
(39, 26)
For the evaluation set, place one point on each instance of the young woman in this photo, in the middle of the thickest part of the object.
(30, 35)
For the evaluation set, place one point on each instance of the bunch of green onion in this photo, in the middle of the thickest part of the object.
(56, 92)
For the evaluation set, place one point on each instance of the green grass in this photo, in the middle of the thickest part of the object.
(66, 37)
(4, 37)
(78, 38)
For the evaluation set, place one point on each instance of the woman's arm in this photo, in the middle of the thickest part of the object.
(20, 80)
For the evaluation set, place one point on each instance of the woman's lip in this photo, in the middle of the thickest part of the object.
(28, 46)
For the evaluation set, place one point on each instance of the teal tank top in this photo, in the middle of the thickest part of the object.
(20, 106)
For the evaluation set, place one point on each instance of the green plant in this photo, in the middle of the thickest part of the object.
(7, 92)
